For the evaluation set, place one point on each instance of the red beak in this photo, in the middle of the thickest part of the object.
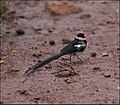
(84, 36)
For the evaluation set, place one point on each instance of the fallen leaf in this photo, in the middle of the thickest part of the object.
(2, 61)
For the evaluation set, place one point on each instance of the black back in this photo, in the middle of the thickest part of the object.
(71, 47)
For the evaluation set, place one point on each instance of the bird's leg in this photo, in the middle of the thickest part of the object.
(70, 59)
(79, 58)
(72, 71)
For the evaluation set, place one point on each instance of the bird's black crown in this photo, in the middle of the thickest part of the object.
(80, 35)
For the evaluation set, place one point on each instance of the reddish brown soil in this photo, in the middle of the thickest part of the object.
(97, 81)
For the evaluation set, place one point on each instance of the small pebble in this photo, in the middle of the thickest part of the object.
(14, 70)
(2, 61)
(118, 48)
(93, 54)
(64, 58)
(45, 41)
(12, 12)
(63, 73)
(11, 42)
(22, 92)
(34, 60)
(36, 98)
(103, 2)
(49, 30)
(93, 32)
(97, 90)
(36, 55)
(48, 91)
(85, 16)
(107, 75)
(21, 16)
(36, 48)
(105, 54)
(20, 32)
(48, 66)
(96, 44)
(39, 60)
(96, 68)
(118, 88)
(36, 27)
(67, 80)
(7, 32)
(52, 42)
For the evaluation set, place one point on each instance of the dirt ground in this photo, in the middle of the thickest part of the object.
(33, 32)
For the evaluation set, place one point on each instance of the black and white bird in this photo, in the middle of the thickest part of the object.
(78, 45)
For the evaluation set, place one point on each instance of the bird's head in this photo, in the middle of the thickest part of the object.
(81, 36)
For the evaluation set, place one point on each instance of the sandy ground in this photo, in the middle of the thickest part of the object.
(97, 79)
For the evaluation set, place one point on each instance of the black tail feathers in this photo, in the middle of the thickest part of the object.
(41, 64)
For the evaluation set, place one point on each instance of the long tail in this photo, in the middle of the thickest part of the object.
(41, 64)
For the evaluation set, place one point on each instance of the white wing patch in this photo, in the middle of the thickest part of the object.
(78, 46)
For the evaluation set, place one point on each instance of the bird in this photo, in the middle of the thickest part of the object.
(78, 45)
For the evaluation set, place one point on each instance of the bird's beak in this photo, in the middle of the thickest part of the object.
(84, 36)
